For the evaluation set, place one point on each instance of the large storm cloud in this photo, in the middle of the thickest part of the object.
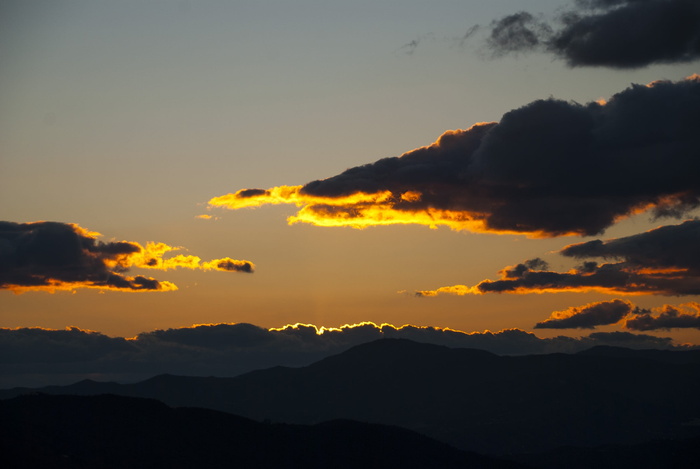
(608, 33)
(53, 256)
(549, 168)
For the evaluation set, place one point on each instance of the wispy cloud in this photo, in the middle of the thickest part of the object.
(50, 256)
(550, 168)
(609, 33)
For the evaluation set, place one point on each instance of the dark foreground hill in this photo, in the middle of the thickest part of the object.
(656, 454)
(471, 399)
(106, 431)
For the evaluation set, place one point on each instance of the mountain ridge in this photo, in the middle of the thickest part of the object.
(108, 431)
(465, 397)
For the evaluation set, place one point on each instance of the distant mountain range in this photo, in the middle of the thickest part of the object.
(471, 399)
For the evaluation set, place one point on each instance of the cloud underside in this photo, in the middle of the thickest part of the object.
(618, 311)
(50, 256)
(662, 261)
(608, 33)
(550, 168)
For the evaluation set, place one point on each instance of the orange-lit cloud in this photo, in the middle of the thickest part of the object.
(662, 261)
(50, 256)
(206, 217)
(683, 316)
(358, 210)
(626, 314)
(589, 316)
(550, 168)
(151, 257)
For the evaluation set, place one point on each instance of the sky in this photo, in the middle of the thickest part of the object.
(166, 164)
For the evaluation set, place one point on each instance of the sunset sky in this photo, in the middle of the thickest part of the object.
(133, 125)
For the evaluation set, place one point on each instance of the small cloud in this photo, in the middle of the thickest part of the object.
(410, 47)
(686, 316)
(205, 216)
(516, 33)
(601, 313)
(229, 265)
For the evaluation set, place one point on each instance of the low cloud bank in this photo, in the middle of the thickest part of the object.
(38, 357)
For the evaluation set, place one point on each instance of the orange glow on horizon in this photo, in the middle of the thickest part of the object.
(320, 330)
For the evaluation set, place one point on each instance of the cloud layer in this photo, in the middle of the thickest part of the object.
(662, 261)
(549, 168)
(35, 357)
(603, 313)
(669, 317)
(589, 316)
(607, 33)
(53, 256)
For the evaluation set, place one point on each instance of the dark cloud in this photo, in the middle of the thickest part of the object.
(674, 247)
(629, 340)
(35, 357)
(549, 168)
(252, 192)
(589, 316)
(662, 261)
(627, 314)
(232, 265)
(31, 345)
(670, 317)
(516, 33)
(609, 33)
(52, 255)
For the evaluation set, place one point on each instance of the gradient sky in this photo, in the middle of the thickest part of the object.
(127, 117)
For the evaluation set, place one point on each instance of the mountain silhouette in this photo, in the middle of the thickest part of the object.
(655, 454)
(108, 431)
(471, 399)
